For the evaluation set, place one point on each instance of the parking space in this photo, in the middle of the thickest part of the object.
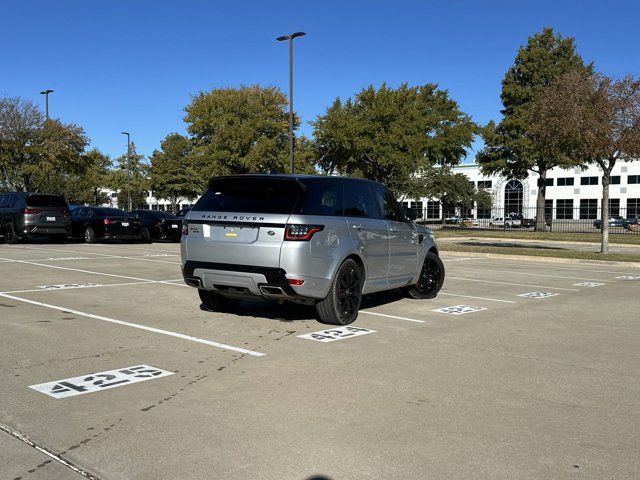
(515, 370)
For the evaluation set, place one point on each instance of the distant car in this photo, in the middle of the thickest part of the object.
(155, 224)
(92, 223)
(455, 220)
(182, 212)
(613, 222)
(508, 222)
(25, 215)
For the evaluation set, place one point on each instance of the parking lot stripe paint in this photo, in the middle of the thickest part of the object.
(535, 274)
(136, 325)
(549, 266)
(105, 255)
(84, 286)
(97, 273)
(476, 298)
(510, 283)
(392, 316)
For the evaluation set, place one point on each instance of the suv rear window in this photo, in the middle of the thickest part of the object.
(250, 195)
(46, 201)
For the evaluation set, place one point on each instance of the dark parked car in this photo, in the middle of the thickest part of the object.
(26, 215)
(613, 222)
(92, 223)
(158, 225)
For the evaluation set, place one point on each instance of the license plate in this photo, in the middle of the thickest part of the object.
(125, 224)
(51, 219)
(174, 226)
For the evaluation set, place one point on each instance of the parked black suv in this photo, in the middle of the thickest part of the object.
(24, 215)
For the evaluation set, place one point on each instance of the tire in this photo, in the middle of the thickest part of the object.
(218, 302)
(89, 235)
(341, 305)
(145, 236)
(10, 236)
(431, 278)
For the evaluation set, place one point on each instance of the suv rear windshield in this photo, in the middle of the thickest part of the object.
(46, 201)
(250, 195)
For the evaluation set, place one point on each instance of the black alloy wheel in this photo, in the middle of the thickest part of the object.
(89, 235)
(430, 280)
(10, 236)
(341, 305)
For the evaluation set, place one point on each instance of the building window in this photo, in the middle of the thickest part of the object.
(417, 206)
(614, 207)
(614, 180)
(588, 209)
(486, 184)
(564, 209)
(589, 181)
(548, 209)
(513, 197)
(405, 205)
(633, 179)
(633, 207)
(549, 182)
(565, 181)
(483, 212)
(433, 210)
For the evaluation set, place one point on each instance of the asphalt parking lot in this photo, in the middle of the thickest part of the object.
(517, 370)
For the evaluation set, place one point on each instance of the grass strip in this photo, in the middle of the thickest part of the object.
(612, 257)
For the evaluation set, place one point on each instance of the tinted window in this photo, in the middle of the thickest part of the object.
(322, 197)
(388, 204)
(109, 212)
(3, 201)
(158, 214)
(359, 201)
(46, 201)
(250, 195)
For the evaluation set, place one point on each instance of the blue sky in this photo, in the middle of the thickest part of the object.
(133, 65)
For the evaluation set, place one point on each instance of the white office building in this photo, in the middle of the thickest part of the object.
(573, 194)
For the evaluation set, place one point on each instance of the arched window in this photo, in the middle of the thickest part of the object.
(513, 198)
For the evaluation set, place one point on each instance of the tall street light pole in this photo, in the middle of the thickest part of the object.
(128, 168)
(291, 140)
(46, 101)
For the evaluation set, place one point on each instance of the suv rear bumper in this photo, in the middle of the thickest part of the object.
(246, 281)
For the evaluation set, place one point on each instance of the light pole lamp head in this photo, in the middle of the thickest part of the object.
(290, 37)
(46, 92)
(125, 133)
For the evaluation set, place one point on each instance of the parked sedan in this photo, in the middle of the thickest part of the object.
(613, 222)
(158, 225)
(92, 223)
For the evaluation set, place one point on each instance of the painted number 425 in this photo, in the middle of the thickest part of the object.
(338, 333)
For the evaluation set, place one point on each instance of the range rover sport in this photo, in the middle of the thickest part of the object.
(316, 240)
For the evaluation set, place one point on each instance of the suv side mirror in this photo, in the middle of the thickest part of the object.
(410, 214)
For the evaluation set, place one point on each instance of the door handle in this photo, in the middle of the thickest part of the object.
(357, 226)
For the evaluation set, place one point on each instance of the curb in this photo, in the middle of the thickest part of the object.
(532, 258)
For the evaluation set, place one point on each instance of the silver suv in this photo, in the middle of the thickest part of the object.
(322, 241)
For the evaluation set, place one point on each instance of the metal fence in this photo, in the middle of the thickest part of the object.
(584, 219)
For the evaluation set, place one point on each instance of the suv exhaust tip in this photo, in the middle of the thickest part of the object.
(193, 282)
(269, 290)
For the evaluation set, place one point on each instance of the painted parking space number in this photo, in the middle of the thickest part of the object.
(95, 382)
(63, 286)
(338, 333)
(459, 309)
(588, 284)
(538, 295)
(628, 277)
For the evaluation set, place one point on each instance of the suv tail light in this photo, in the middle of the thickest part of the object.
(27, 211)
(301, 232)
(107, 221)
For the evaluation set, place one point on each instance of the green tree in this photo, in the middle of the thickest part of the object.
(594, 119)
(238, 130)
(509, 148)
(131, 175)
(394, 136)
(171, 173)
(90, 187)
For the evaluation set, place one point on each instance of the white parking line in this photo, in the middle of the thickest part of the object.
(136, 325)
(510, 272)
(104, 255)
(476, 298)
(96, 273)
(392, 316)
(510, 283)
